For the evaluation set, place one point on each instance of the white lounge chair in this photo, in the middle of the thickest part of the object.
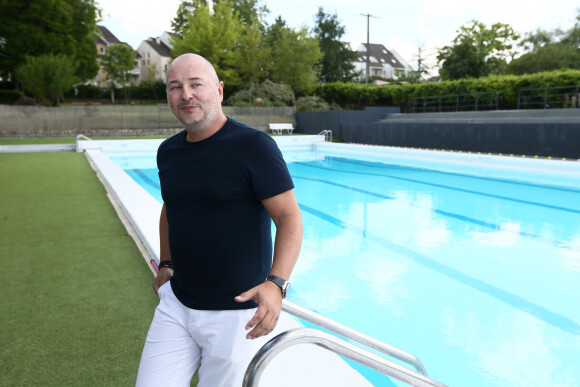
(281, 128)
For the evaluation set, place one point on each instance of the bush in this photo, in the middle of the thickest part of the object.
(8, 97)
(357, 96)
(242, 104)
(47, 77)
(314, 104)
(149, 90)
(266, 94)
(25, 101)
(88, 92)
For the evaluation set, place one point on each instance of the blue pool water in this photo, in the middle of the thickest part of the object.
(478, 277)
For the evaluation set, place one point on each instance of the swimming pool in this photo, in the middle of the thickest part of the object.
(473, 269)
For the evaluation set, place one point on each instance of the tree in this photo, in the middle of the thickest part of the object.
(489, 49)
(47, 77)
(337, 57)
(548, 51)
(248, 11)
(118, 62)
(185, 9)
(421, 57)
(213, 36)
(462, 61)
(254, 54)
(295, 59)
(34, 28)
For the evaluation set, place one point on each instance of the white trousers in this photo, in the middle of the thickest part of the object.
(180, 339)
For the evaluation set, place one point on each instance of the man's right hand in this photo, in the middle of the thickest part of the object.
(162, 277)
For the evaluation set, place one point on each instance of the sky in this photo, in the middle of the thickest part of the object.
(400, 25)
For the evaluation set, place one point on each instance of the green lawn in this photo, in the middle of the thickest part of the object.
(68, 140)
(76, 293)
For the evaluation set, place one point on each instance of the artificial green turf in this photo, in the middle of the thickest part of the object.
(65, 140)
(76, 298)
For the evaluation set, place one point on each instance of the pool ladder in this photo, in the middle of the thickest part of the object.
(339, 346)
(327, 135)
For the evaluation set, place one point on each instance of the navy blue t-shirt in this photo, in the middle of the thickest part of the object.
(220, 234)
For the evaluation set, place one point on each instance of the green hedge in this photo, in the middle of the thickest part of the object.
(357, 96)
(8, 97)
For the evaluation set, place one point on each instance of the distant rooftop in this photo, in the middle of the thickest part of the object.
(107, 36)
(379, 55)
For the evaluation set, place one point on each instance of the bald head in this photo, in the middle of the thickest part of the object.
(194, 95)
(192, 61)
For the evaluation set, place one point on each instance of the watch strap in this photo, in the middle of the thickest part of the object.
(281, 282)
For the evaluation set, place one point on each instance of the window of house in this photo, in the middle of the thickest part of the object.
(102, 50)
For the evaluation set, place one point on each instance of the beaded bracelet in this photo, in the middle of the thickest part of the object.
(166, 263)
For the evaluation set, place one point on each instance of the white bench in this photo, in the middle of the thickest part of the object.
(281, 128)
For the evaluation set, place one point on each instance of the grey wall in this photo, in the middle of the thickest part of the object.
(316, 122)
(543, 139)
(546, 133)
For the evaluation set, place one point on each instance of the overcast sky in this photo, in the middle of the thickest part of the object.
(400, 25)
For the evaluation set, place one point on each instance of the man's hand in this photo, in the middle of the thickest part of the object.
(269, 299)
(162, 277)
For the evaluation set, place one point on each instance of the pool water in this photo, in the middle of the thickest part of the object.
(477, 277)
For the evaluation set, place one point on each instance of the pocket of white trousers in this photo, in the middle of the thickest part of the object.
(161, 290)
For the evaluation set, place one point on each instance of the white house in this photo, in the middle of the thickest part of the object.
(155, 57)
(382, 62)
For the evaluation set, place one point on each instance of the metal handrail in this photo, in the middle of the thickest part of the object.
(336, 345)
(79, 137)
(326, 133)
(542, 99)
(455, 102)
(349, 333)
(83, 136)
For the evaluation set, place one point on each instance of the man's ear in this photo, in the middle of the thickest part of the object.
(221, 90)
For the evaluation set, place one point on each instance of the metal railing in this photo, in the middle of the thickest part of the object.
(327, 135)
(349, 333)
(336, 345)
(549, 97)
(454, 103)
(339, 346)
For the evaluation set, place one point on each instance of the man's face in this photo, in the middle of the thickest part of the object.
(194, 93)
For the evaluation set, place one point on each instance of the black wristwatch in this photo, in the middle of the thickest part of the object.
(281, 282)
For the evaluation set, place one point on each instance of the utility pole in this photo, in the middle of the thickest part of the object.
(368, 16)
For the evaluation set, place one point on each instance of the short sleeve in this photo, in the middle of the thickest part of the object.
(267, 169)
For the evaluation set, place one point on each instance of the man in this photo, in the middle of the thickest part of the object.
(222, 183)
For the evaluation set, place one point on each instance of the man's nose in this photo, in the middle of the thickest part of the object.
(187, 93)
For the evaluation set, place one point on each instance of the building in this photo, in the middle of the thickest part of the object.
(104, 40)
(155, 57)
(383, 63)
